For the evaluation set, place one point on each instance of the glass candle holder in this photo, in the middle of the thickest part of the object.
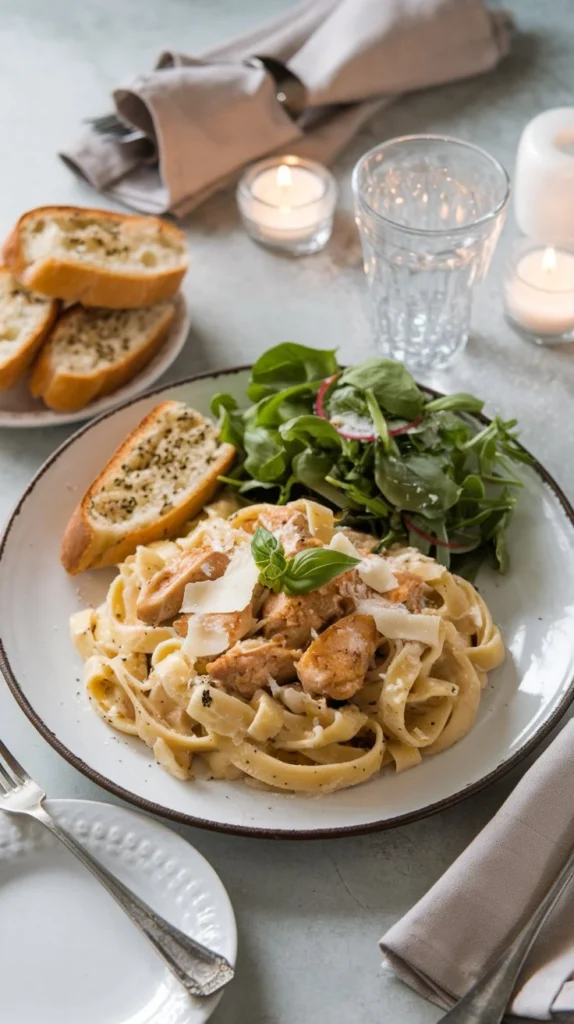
(429, 210)
(539, 292)
(288, 203)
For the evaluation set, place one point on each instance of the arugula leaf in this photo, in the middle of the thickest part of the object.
(287, 364)
(314, 567)
(391, 383)
(460, 401)
(379, 421)
(415, 482)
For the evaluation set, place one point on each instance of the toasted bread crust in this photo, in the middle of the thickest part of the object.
(12, 369)
(92, 285)
(66, 391)
(84, 547)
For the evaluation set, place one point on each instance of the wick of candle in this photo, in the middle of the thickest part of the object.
(284, 176)
(549, 260)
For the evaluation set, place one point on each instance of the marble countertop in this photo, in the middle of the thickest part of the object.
(309, 913)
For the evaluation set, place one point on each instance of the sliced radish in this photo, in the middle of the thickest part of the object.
(355, 435)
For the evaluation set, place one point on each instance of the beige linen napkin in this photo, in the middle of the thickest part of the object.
(210, 116)
(449, 938)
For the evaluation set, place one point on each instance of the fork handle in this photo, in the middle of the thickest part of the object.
(487, 1001)
(199, 970)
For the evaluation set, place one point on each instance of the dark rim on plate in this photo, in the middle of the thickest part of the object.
(248, 830)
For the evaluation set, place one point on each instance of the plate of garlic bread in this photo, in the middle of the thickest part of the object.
(90, 312)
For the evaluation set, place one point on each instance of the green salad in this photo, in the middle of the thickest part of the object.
(366, 440)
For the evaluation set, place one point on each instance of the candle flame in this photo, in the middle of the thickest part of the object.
(549, 260)
(284, 176)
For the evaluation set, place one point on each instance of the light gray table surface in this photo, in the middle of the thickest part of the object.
(309, 913)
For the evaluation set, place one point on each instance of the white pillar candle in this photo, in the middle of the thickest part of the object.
(540, 292)
(288, 203)
(544, 178)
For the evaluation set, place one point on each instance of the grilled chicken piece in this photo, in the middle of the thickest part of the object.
(336, 662)
(235, 624)
(250, 664)
(161, 597)
(289, 526)
(410, 591)
(297, 617)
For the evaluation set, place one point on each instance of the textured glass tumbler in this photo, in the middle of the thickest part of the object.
(429, 211)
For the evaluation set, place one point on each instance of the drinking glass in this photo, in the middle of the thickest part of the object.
(429, 210)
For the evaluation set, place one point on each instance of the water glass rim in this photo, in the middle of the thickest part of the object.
(451, 140)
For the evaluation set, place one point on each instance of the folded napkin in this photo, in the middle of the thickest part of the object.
(448, 940)
(209, 116)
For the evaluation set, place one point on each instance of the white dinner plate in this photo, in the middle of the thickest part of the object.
(533, 605)
(19, 409)
(68, 952)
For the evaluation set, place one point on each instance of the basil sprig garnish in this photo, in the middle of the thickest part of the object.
(308, 570)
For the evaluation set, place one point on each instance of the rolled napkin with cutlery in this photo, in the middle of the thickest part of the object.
(464, 923)
(198, 121)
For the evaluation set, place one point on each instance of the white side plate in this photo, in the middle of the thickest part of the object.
(68, 952)
(19, 409)
(533, 605)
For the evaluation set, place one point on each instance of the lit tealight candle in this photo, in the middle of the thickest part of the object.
(288, 203)
(539, 293)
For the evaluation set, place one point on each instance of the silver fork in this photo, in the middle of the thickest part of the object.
(201, 971)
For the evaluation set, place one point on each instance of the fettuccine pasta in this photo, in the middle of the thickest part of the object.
(223, 678)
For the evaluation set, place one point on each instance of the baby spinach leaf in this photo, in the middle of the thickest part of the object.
(391, 383)
(414, 482)
(266, 454)
(311, 468)
(270, 411)
(312, 430)
(230, 421)
(346, 399)
(287, 364)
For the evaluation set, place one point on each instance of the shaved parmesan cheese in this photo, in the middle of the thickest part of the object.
(399, 624)
(373, 570)
(232, 592)
(411, 560)
(204, 640)
(340, 542)
(376, 573)
(321, 521)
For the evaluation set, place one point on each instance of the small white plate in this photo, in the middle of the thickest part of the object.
(19, 409)
(525, 697)
(68, 952)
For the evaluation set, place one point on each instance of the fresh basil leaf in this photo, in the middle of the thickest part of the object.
(460, 401)
(269, 557)
(288, 364)
(391, 383)
(311, 468)
(312, 430)
(266, 454)
(415, 482)
(314, 567)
